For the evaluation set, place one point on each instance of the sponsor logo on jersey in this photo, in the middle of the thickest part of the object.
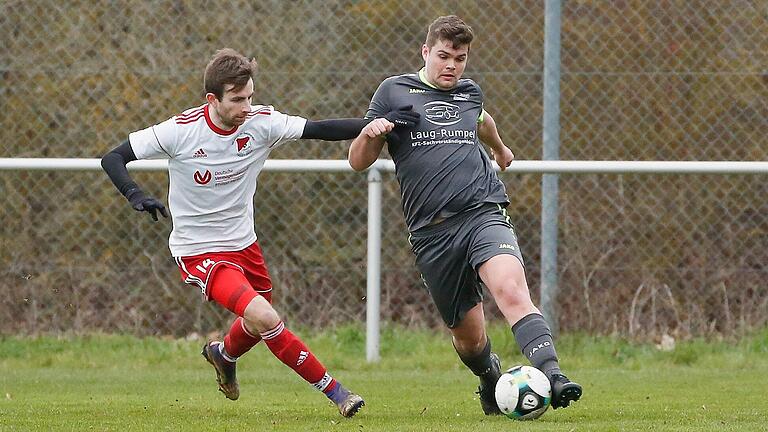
(442, 113)
(244, 144)
(227, 176)
(200, 153)
(203, 178)
(413, 90)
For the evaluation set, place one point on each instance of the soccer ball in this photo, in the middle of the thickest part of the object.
(523, 393)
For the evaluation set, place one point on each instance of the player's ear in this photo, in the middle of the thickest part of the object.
(210, 97)
(424, 52)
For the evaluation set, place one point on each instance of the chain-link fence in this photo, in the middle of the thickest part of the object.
(639, 255)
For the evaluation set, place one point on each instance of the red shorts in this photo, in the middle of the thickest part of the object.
(199, 269)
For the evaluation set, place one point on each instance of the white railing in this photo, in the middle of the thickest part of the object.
(373, 290)
(385, 165)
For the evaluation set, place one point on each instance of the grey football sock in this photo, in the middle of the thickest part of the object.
(535, 340)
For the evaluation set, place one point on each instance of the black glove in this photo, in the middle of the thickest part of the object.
(141, 202)
(403, 116)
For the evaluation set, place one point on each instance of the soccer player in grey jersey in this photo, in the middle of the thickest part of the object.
(454, 207)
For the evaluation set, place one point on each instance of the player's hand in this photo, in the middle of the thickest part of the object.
(504, 157)
(141, 202)
(377, 128)
(403, 116)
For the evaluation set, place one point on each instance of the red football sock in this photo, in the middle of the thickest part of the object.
(294, 353)
(239, 340)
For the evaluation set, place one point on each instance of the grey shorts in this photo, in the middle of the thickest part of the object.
(448, 255)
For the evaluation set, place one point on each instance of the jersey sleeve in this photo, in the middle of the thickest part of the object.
(284, 128)
(155, 142)
(380, 101)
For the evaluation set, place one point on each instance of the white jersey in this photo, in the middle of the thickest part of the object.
(213, 173)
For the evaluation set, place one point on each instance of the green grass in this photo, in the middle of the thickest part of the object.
(121, 383)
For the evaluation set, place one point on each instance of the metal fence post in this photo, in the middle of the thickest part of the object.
(373, 277)
(551, 151)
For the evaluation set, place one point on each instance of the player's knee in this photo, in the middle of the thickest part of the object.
(513, 294)
(260, 315)
(469, 345)
(469, 337)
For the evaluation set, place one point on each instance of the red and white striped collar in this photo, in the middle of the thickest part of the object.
(215, 128)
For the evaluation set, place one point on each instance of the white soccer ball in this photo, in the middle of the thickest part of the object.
(523, 393)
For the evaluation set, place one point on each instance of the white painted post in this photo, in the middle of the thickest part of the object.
(373, 278)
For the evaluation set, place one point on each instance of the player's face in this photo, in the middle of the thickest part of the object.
(234, 106)
(444, 63)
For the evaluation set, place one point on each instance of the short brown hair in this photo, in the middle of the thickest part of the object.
(449, 28)
(227, 66)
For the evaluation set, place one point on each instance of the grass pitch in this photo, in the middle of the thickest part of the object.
(121, 383)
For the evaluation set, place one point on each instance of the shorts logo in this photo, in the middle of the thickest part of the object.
(442, 113)
(202, 178)
(244, 144)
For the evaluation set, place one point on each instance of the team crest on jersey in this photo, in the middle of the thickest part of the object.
(244, 143)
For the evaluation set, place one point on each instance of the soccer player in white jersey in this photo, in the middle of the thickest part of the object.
(215, 154)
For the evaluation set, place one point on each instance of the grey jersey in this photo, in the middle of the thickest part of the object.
(440, 164)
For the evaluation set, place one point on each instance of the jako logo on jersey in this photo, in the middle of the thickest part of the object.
(302, 356)
(536, 348)
(442, 113)
(244, 144)
(200, 153)
(417, 91)
(202, 178)
(506, 246)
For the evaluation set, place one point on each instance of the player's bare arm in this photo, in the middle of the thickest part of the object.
(365, 149)
(114, 163)
(489, 134)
